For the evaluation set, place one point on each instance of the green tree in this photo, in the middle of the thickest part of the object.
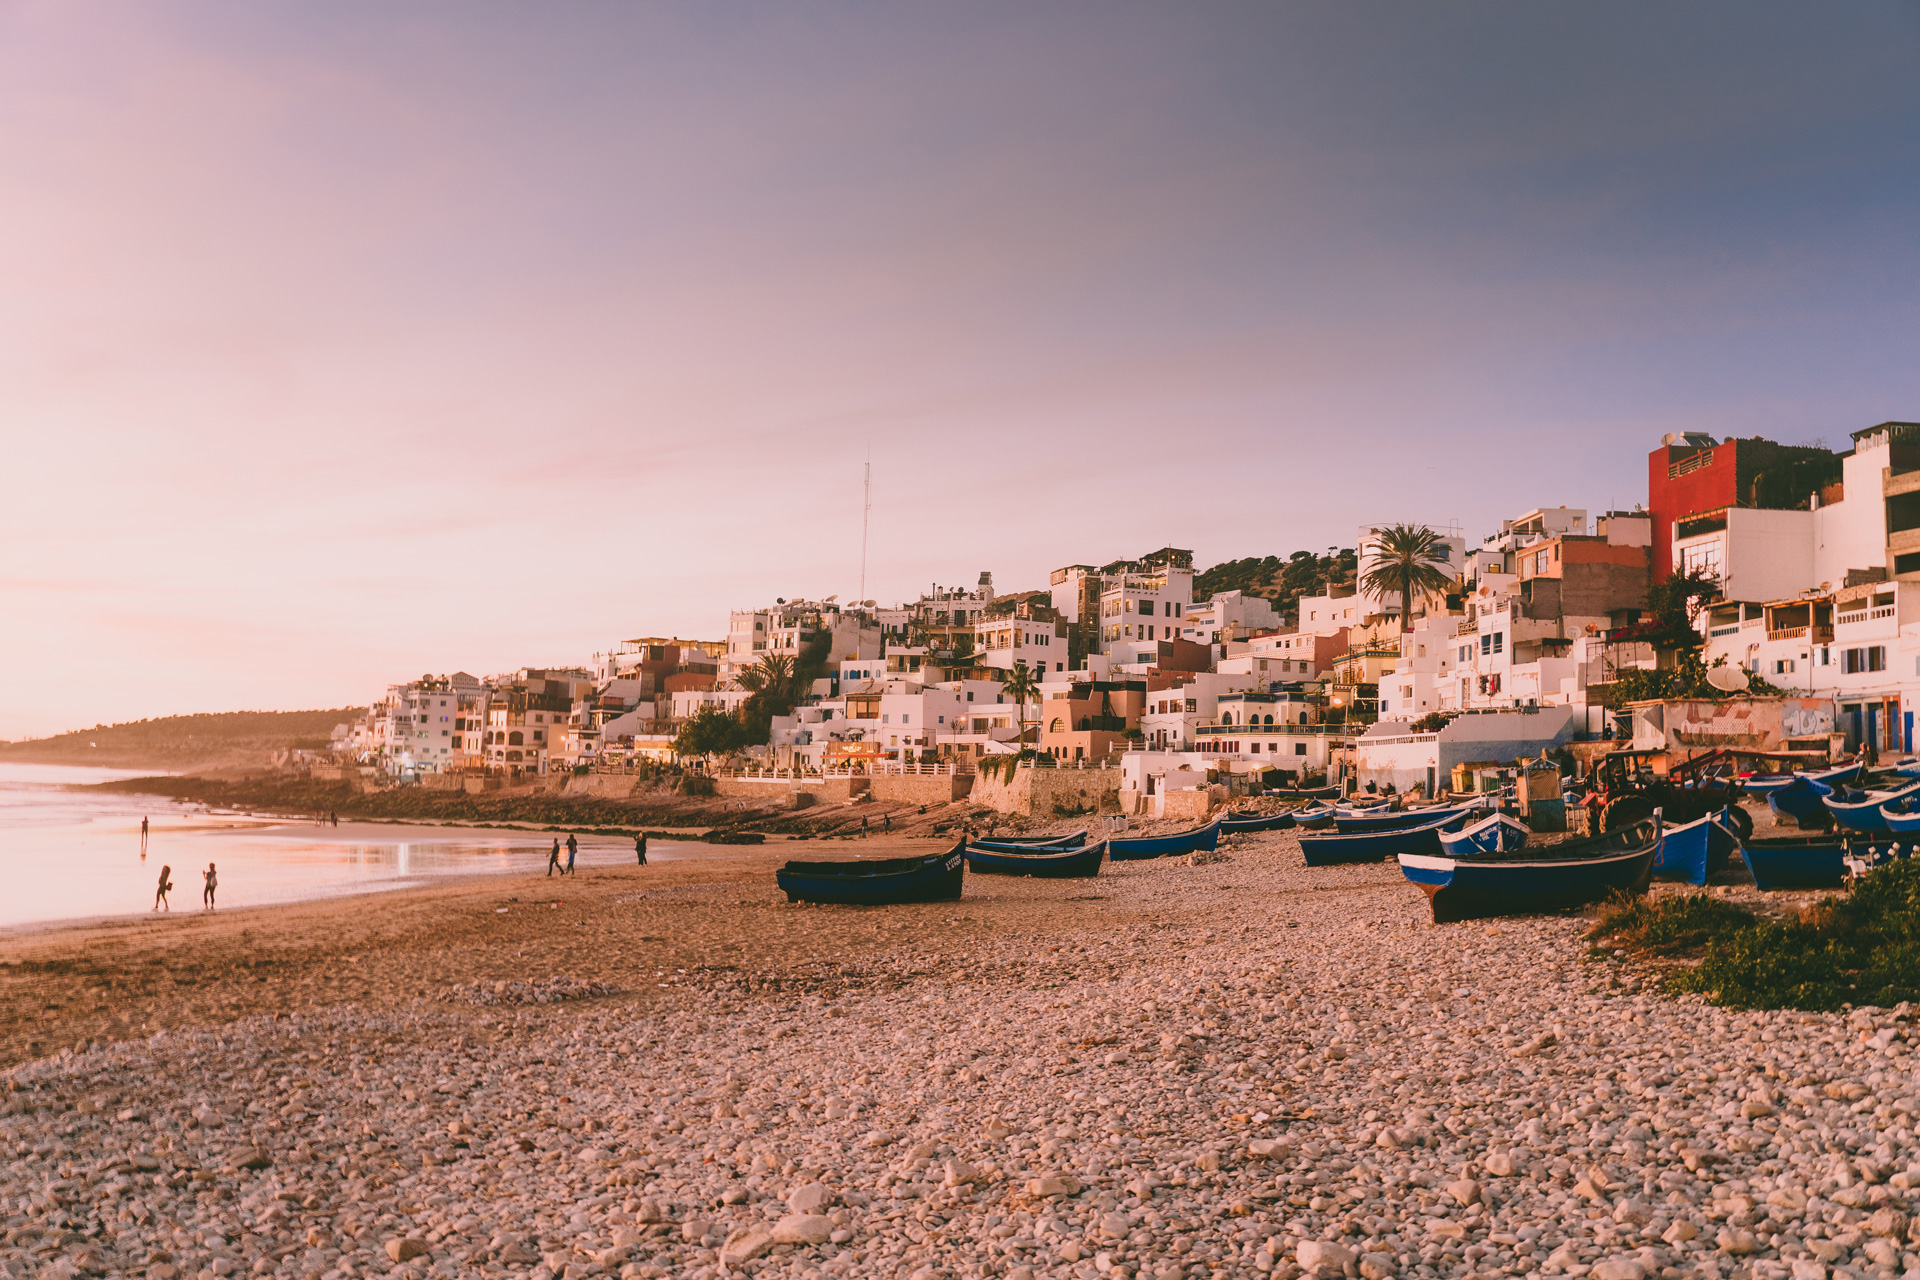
(1408, 558)
(709, 732)
(1021, 685)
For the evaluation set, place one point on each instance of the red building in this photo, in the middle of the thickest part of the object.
(1689, 474)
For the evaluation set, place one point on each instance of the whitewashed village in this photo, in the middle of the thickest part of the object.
(1562, 634)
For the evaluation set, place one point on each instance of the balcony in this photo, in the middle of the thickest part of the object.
(1271, 730)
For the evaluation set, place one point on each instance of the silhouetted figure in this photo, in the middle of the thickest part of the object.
(888, 819)
(553, 859)
(160, 895)
(573, 847)
(213, 882)
(143, 837)
(335, 815)
(640, 848)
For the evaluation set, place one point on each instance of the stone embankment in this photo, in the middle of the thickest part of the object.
(1290, 1072)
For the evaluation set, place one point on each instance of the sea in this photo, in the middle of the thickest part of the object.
(67, 853)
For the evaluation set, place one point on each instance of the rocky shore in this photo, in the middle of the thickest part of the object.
(1228, 1067)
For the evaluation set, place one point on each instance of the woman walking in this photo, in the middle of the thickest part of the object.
(640, 848)
(553, 858)
(160, 894)
(213, 882)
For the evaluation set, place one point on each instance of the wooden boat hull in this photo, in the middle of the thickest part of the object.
(1071, 864)
(1695, 850)
(1495, 833)
(1207, 837)
(882, 881)
(1311, 793)
(1078, 840)
(1586, 871)
(1405, 818)
(1266, 822)
(1800, 862)
(1865, 814)
(1374, 846)
(1800, 799)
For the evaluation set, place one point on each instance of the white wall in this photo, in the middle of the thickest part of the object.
(1852, 533)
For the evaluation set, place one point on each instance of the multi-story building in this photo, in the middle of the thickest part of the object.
(1021, 633)
(429, 725)
(1146, 600)
(525, 714)
(1091, 719)
(1689, 476)
(1228, 616)
(790, 627)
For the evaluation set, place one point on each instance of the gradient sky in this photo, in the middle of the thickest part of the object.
(342, 342)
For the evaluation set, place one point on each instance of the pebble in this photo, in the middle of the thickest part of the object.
(1222, 1095)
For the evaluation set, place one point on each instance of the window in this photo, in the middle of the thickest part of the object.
(1193, 704)
(1486, 644)
(1782, 666)
(1871, 658)
(906, 719)
(1499, 638)
(1146, 608)
(1300, 748)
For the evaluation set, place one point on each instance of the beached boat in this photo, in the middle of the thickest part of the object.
(1207, 837)
(1692, 851)
(1354, 823)
(1801, 862)
(1323, 850)
(935, 877)
(1495, 833)
(1861, 810)
(1309, 793)
(1563, 875)
(1052, 864)
(1800, 800)
(1078, 840)
(1902, 817)
(1236, 824)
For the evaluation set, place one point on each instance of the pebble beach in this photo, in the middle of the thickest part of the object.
(1220, 1066)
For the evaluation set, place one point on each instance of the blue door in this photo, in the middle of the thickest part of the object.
(1906, 735)
(1873, 725)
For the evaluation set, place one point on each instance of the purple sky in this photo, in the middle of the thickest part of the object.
(340, 342)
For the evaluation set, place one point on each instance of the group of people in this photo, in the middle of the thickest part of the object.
(211, 875)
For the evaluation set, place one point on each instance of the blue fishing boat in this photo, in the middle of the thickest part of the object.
(1078, 840)
(1351, 824)
(935, 877)
(1562, 875)
(1052, 864)
(1235, 824)
(1902, 817)
(1322, 850)
(1206, 837)
(1838, 774)
(1692, 851)
(1495, 833)
(1307, 793)
(1765, 784)
(1800, 800)
(1860, 810)
(1800, 862)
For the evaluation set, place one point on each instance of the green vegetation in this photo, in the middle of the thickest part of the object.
(710, 732)
(1857, 950)
(179, 742)
(1023, 686)
(1686, 678)
(1408, 560)
(1281, 581)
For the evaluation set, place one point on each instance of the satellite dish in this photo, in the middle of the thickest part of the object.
(1728, 679)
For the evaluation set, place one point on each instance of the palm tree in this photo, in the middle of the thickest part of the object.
(770, 677)
(1020, 685)
(1407, 558)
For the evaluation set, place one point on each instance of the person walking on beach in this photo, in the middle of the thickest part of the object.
(213, 882)
(863, 826)
(640, 848)
(888, 819)
(335, 815)
(553, 859)
(573, 847)
(143, 838)
(160, 894)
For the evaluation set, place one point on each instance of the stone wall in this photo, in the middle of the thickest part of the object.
(1036, 792)
(782, 790)
(899, 788)
(603, 786)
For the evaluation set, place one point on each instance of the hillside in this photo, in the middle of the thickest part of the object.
(1281, 581)
(210, 740)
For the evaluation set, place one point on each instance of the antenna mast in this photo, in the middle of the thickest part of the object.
(866, 509)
